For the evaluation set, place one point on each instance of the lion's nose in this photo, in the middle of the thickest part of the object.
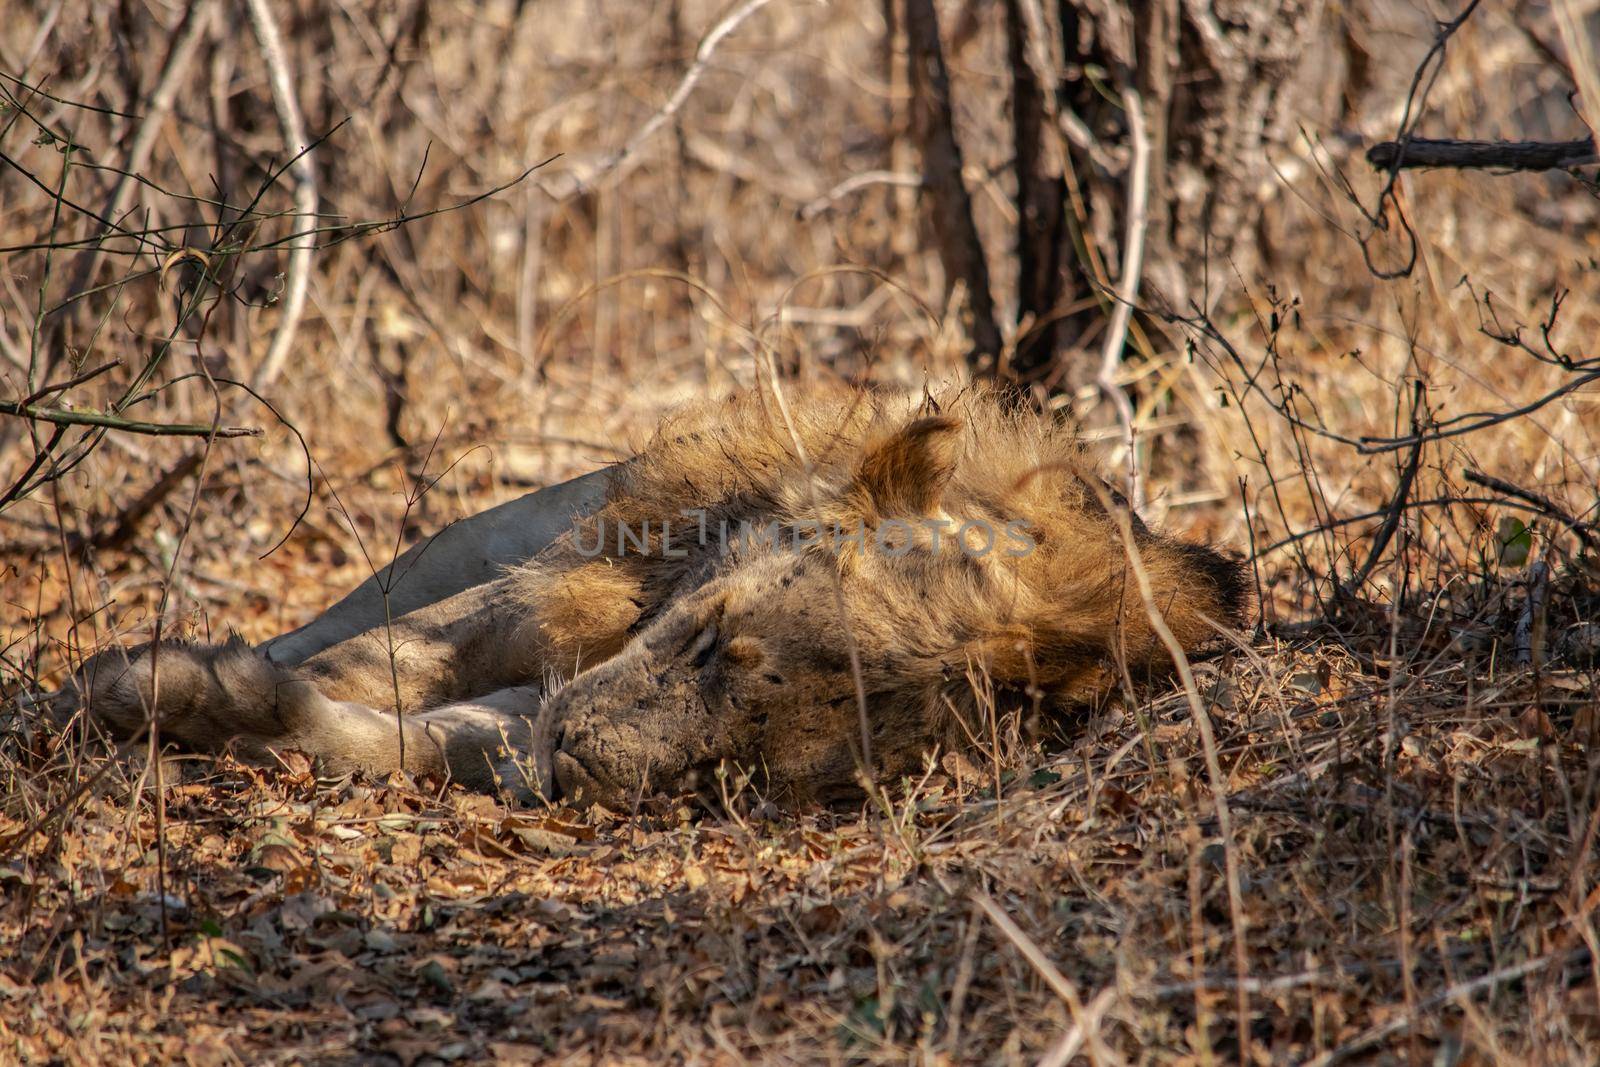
(591, 764)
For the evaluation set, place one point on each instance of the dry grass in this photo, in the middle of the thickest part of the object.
(1413, 813)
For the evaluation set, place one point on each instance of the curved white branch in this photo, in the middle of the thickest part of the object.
(305, 192)
(1128, 288)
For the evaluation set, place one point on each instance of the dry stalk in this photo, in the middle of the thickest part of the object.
(1531, 622)
(1082, 1031)
(1461, 991)
(1208, 741)
(854, 184)
(1085, 1022)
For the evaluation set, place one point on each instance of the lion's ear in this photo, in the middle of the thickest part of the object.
(906, 473)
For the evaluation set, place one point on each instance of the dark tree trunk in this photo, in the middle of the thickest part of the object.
(1047, 277)
(1220, 82)
(949, 207)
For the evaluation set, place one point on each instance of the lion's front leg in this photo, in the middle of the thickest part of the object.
(216, 698)
(462, 647)
(229, 698)
(206, 694)
(473, 551)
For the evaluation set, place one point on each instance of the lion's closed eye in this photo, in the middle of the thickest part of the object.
(704, 644)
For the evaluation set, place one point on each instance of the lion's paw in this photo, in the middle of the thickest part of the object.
(203, 693)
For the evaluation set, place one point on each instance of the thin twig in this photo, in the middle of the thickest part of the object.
(1405, 1020)
(855, 183)
(1330, 524)
(64, 417)
(1085, 1021)
(76, 380)
(1408, 477)
(1422, 81)
(196, 21)
(1586, 531)
(1208, 743)
(691, 77)
(1583, 373)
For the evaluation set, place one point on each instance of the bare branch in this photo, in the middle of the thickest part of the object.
(1422, 81)
(64, 417)
(1397, 503)
(855, 183)
(1492, 155)
(77, 379)
(1587, 532)
(1404, 1020)
(305, 193)
(196, 20)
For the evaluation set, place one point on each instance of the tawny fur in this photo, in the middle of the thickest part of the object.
(677, 642)
(849, 459)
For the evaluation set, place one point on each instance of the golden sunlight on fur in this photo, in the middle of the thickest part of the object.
(800, 583)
